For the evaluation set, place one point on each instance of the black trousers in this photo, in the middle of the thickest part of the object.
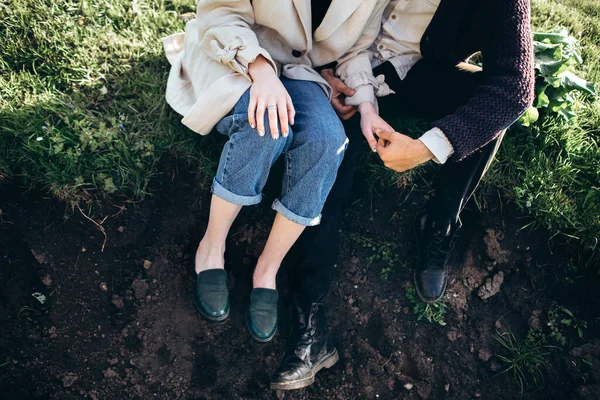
(431, 91)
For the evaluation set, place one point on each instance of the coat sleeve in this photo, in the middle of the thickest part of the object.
(227, 35)
(509, 78)
(354, 68)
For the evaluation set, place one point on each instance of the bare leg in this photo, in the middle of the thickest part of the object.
(211, 250)
(284, 234)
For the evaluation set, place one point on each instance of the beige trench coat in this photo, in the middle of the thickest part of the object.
(209, 71)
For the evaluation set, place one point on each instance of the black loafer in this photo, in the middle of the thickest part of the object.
(262, 315)
(211, 297)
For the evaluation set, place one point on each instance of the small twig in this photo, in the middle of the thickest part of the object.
(100, 227)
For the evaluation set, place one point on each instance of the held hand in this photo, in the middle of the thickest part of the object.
(400, 152)
(268, 94)
(340, 92)
(371, 122)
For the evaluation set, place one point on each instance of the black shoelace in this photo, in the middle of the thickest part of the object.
(439, 248)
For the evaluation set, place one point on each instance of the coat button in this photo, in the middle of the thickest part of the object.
(296, 53)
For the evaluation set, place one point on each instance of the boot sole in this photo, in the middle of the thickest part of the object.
(210, 318)
(328, 362)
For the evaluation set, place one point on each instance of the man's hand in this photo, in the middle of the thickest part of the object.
(400, 152)
(340, 92)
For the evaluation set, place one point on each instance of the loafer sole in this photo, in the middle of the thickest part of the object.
(328, 362)
(207, 316)
(259, 339)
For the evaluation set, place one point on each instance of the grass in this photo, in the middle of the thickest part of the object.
(525, 359)
(82, 96)
(553, 170)
(83, 114)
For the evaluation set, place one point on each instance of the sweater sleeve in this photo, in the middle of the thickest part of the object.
(508, 87)
(227, 34)
(354, 68)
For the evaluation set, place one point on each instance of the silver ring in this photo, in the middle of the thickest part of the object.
(272, 107)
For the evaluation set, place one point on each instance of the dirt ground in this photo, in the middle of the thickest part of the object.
(119, 323)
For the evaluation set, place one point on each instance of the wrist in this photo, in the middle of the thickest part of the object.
(424, 153)
(366, 107)
(260, 67)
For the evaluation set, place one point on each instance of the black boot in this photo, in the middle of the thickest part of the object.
(308, 350)
(435, 242)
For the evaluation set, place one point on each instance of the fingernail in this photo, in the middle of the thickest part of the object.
(261, 132)
(276, 136)
(284, 133)
(374, 148)
(252, 125)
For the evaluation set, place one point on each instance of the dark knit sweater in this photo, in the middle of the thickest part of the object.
(501, 30)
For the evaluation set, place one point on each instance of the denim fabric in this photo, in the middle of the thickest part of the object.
(313, 152)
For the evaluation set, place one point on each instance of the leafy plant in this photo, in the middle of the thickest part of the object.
(560, 318)
(526, 359)
(434, 313)
(557, 86)
(385, 252)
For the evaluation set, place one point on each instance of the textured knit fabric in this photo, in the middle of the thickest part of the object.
(501, 30)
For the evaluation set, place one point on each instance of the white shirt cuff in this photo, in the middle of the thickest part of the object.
(438, 144)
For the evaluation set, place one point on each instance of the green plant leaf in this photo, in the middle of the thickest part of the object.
(530, 116)
(572, 82)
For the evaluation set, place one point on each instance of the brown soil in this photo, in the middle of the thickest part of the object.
(119, 323)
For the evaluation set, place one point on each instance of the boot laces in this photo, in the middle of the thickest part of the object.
(439, 248)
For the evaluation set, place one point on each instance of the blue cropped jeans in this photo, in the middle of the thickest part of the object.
(313, 152)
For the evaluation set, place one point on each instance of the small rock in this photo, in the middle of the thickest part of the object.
(52, 332)
(495, 367)
(117, 301)
(110, 373)
(103, 286)
(69, 379)
(484, 354)
(147, 264)
(121, 229)
(46, 280)
(39, 257)
(534, 320)
(140, 288)
(493, 249)
(83, 249)
(492, 286)
(408, 386)
(447, 387)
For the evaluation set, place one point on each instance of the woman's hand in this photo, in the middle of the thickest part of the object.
(371, 122)
(268, 94)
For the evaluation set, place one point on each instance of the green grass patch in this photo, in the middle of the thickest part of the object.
(82, 96)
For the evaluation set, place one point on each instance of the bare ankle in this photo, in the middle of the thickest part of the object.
(209, 255)
(265, 275)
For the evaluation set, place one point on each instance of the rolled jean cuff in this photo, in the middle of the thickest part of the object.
(230, 197)
(283, 210)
